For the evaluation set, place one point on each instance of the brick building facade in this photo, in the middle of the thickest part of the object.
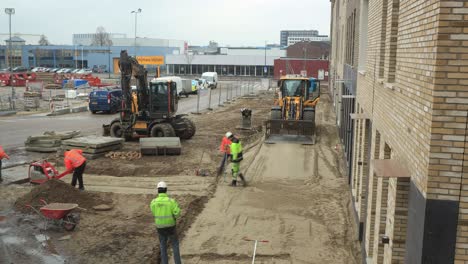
(309, 50)
(403, 65)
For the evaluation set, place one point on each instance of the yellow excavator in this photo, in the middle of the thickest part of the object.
(293, 112)
(150, 110)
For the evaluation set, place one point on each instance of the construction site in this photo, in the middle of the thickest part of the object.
(296, 198)
(342, 149)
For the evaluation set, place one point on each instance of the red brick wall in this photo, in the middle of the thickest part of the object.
(296, 65)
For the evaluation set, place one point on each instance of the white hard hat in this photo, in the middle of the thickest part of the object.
(162, 185)
(228, 134)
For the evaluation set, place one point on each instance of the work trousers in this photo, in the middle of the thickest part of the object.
(223, 162)
(235, 168)
(164, 235)
(78, 175)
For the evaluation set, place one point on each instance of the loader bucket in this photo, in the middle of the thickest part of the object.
(290, 131)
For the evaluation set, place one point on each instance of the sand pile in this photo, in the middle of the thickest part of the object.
(59, 192)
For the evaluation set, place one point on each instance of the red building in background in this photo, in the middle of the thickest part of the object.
(312, 67)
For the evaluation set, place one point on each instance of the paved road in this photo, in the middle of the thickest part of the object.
(14, 130)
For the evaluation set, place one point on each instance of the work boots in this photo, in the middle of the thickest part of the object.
(234, 183)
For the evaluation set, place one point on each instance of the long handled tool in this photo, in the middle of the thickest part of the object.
(255, 246)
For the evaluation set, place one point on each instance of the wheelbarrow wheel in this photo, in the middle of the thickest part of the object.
(69, 223)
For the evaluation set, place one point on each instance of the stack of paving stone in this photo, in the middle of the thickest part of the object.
(50, 141)
(93, 146)
(160, 146)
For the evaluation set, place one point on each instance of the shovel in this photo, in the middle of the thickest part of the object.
(255, 246)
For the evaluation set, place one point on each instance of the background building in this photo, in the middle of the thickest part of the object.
(309, 50)
(86, 39)
(119, 39)
(401, 94)
(290, 37)
(228, 61)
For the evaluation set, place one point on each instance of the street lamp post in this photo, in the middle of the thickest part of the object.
(74, 57)
(265, 67)
(9, 12)
(136, 12)
(81, 57)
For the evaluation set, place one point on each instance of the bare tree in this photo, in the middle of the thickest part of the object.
(43, 41)
(101, 38)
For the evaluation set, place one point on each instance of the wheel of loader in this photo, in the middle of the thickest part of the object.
(309, 115)
(162, 130)
(275, 127)
(184, 128)
(276, 114)
(116, 130)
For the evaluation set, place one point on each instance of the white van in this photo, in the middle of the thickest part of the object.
(175, 79)
(211, 78)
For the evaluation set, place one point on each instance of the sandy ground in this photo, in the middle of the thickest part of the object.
(297, 199)
(125, 234)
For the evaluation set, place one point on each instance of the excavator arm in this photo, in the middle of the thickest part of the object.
(129, 67)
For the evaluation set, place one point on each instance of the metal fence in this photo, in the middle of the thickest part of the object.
(227, 92)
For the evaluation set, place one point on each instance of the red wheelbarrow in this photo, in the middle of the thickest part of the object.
(42, 171)
(58, 214)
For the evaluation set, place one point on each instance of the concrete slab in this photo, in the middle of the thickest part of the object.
(95, 150)
(43, 149)
(79, 109)
(63, 111)
(93, 141)
(7, 113)
(160, 146)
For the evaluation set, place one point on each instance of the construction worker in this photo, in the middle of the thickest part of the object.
(236, 158)
(76, 163)
(166, 211)
(3, 155)
(225, 149)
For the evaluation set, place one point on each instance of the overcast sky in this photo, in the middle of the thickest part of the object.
(229, 22)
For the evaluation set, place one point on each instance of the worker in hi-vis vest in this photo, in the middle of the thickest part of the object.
(166, 211)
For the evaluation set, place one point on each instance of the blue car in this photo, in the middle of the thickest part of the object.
(106, 100)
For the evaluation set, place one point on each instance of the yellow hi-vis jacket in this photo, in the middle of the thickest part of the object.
(165, 211)
(236, 150)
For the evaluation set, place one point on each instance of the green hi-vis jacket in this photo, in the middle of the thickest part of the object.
(165, 211)
(236, 150)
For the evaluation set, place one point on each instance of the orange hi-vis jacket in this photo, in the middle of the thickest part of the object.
(3, 155)
(73, 159)
(225, 146)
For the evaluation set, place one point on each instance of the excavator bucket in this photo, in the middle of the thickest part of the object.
(290, 131)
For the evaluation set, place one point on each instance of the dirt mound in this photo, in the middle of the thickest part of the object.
(56, 191)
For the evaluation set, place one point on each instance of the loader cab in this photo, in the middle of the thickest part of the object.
(164, 101)
(309, 89)
(314, 89)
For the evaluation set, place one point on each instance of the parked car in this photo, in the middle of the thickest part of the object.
(5, 69)
(20, 69)
(53, 69)
(85, 71)
(75, 70)
(107, 100)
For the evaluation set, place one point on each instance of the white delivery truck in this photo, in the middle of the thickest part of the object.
(211, 78)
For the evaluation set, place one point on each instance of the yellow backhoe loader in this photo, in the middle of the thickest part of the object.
(293, 113)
